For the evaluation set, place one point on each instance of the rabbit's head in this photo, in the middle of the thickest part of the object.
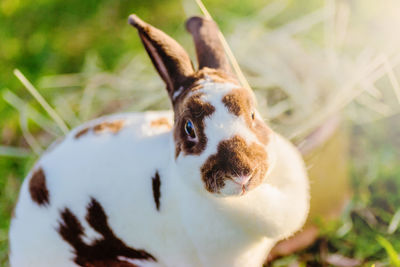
(222, 144)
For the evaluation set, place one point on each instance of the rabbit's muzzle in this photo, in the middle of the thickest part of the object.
(236, 163)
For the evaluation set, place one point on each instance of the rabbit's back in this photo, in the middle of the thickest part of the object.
(97, 192)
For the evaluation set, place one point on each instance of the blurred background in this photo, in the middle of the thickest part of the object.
(325, 74)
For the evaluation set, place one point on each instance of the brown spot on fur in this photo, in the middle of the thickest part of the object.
(216, 76)
(193, 83)
(234, 158)
(38, 188)
(81, 133)
(196, 110)
(113, 126)
(239, 102)
(177, 151)
(161, 122)
(156, 189)
(106, 251)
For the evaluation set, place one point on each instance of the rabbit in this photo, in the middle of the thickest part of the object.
(207, 184)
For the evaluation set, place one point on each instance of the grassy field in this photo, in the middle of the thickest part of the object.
(48, 37)
(368, 228)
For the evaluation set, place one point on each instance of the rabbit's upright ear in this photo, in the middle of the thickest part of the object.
(209, 49)
(169, 58)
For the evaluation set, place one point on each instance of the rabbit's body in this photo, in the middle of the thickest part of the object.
(93, 164)
(207, 185)
(90, 165)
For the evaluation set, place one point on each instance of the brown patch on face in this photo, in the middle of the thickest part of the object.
(193, 83)
(177, 150)
(216, 76)
(239, 102)
(81, 133)
(106, 251)
(113, 126)
(195, 110)
(161, 122)
(156, 183)
(38, 188)
(234, 158)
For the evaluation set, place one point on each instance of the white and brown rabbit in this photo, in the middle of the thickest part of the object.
(207, 184)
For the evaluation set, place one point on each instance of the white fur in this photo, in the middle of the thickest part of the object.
(193, 226)
(177, 93)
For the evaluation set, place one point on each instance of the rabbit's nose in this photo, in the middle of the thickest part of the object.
(242, 180)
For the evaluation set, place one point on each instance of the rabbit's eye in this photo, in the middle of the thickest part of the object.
(189, 129)
(252, 115)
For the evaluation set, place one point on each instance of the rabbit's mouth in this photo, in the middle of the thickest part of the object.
(236, 185)
(242, 182)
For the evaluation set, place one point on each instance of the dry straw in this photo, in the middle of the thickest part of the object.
(41, 101)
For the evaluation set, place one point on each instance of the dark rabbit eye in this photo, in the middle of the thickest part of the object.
(252, 115)
(189, 129)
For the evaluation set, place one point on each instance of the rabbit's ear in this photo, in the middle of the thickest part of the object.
(169, 58)
(209, 49)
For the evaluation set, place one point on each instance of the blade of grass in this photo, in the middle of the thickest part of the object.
(8, 151)
(394, 223)
(32, 142)
(41, 101)
(93, 84)
(38, 118)
(371, 89)
(374, 105)
(392, 78)
(394, 257)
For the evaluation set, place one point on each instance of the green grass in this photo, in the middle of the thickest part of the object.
(362, 232)
(47, 37)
